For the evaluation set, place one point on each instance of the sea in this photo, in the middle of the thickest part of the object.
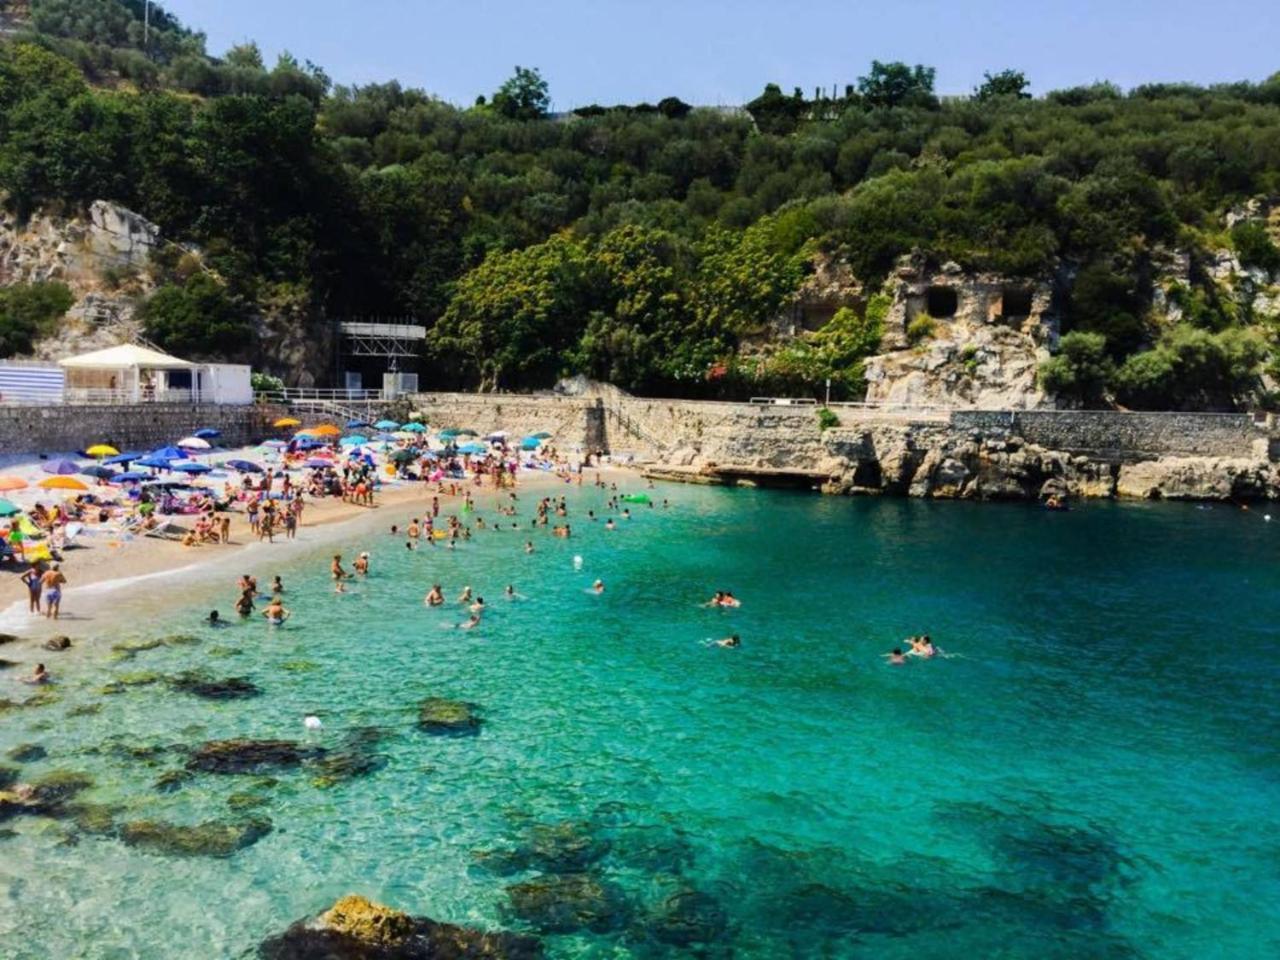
(1090, 767)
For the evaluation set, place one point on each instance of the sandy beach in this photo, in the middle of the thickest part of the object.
(105, 570)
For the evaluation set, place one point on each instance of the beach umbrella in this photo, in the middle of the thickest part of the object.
(530, 443)
(244, 466)
(193, 443)
(102, 450)
(403, 435)
(207, 433)
(101, 473)
(287, 422)
(170, 485)
(323, 430)
(448, 434)
(414, 428)
(193, 467)
(308, 443)
(123, 458)
(60, 467)
(465, 432)
(541, 436)
(159, 463)
(387, 425)
(62, 483)
(354, 440)
(471, 448)
(317, 463)
(12, 483)
(8, 508)
(403, 456)
(497, 436)
(130, 476)
(168, 453)
(357, 424)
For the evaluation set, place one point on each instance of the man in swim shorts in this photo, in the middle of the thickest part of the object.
(53, 581)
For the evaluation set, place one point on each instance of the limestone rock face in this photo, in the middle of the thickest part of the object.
(1198, 478)
(990, 335)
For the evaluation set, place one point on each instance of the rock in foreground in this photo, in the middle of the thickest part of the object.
(250, 756)
(448, 717)
(355, 928)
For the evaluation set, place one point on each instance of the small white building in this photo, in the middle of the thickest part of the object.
(130, 373)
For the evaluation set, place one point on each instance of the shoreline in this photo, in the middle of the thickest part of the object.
(98, 573)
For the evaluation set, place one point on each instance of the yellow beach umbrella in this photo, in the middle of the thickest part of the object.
(61, 483)
(323, 430)
(287, 422)
(102, 450)
(12, 483)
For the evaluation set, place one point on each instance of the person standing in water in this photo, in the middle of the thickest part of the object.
(339, 575)
(434, 597)
(275, 612)
(53, 582)
(33, 578)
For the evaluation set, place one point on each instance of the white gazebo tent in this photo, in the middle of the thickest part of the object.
(128, 373)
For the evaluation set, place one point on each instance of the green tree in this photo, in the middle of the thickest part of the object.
(28, 311)
(896, 84)
(1080, 371)
(197, 319)
(1007, 83)
(1255, 247)
(524, 96)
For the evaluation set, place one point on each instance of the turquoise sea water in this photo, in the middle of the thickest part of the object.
(1095, 772)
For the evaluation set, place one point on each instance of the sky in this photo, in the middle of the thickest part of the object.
(712, 52)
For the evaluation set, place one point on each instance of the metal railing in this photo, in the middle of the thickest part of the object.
(83, 397)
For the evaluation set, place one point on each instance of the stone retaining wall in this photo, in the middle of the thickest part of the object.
(141, 426)
(1126, 436)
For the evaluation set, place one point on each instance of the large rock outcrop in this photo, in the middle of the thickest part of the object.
(953, 338)
(356, 928)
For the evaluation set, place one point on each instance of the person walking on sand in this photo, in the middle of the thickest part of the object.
(53, 582)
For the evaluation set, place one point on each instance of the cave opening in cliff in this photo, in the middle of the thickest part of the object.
(1015, 302)
(941, 302)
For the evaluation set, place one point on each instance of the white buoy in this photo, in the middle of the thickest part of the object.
(313, 723)
(577, 561)
(1267, 518)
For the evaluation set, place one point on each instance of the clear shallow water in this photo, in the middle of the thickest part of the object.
(1095, 773)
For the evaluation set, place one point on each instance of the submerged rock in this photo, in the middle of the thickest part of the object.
(27, 753)
(444, 717)
(138, 678)
(172, 780)
(356, 928)
(128, 649)
(7, 638)
(687, 917)
(250, 756)
(8, 777)
(45, 796)
(57, 644)
(210, 839)
(84, 710)
(246, 801)
(570, 846)
(201, 685)
(560, 904)
(9, 664)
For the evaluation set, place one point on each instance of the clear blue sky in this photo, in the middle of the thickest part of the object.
(724, 51)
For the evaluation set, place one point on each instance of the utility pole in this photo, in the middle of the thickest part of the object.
(146, 25)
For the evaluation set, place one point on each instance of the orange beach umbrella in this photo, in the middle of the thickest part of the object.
(61, 483)
(323, 430)
(287, 422)
(12, 483)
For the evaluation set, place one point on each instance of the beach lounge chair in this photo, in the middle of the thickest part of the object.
(167, 530)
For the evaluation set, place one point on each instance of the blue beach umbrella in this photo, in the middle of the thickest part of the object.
(448, 434)
(387, 425)
(472, 448)
(244, 466)
(8, 508)
(414, 428)
(318, 462)
(128, 457)
(354, 440)
(168, 453)
(541, 436)
(101, 473)
(307, 444)
(60, 467)
(356, 424)
(131, 476)
(207, 433)
(193, 467)
(159, 463)
(530, 443)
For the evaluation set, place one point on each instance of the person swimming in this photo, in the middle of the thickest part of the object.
(434, 597)
(922, 647)
(598, 587)
(275, 612)
(465, 596)
(730, 642)
(528, 546)
(478, 606)
(470, 623)
(215, 619)
(510, 593)
(38, 676)
(610, 525)
(362, 564)
(896, 659)
(277, 585)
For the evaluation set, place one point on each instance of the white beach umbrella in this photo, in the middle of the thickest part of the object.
(193, 443)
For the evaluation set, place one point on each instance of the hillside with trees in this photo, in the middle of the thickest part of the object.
(643, 243)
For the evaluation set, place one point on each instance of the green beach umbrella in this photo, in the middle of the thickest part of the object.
(8, 508)
(414, 428)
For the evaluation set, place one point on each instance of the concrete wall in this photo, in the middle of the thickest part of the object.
(565, 418)
(135, 426)
(1124, 436)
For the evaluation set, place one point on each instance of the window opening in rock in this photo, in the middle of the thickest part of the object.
(941, 302)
